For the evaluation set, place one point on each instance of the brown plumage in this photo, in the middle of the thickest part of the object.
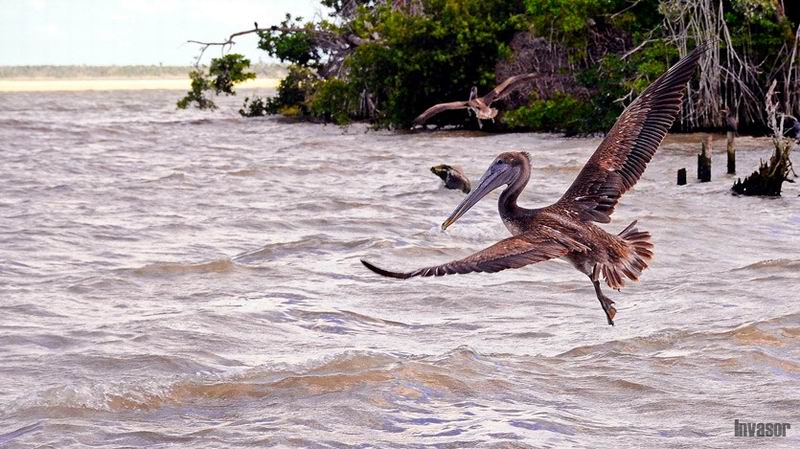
(565, 229)
(453, 177)
(481, 106)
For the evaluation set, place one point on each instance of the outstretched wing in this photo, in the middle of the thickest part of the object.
(513, 252)
(435, 109)
(506, 87)
(623, 155)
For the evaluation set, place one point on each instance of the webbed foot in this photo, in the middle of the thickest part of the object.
(605, 302)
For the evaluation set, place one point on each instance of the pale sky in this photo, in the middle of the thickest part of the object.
(106, 32)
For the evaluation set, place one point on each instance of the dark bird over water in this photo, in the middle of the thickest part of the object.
(453, 177)
(565, 229)
(480, 106)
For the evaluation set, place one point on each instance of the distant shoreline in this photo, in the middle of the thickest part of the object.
(101, 84)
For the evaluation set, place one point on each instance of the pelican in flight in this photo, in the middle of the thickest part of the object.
(565, 229)
(480, 106)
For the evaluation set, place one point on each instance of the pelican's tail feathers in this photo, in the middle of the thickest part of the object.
(638, 252)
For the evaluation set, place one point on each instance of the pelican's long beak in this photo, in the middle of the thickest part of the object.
(495, 176)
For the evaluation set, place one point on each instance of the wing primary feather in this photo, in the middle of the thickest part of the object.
(507, 87)
(387, 273)
(622, 157)
(514, 252)
(438, 108)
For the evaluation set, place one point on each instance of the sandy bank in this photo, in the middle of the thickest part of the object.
(51, 85)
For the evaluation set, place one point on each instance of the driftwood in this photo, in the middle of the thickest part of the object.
(768, 179)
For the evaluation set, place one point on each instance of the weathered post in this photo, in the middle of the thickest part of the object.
(731, 154)
(731, 126)
(704, 161)
(682, 177)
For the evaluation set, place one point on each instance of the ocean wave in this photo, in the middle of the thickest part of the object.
(244, 172)
(776, 332)
(305, 246)
(174, 176)
(771, 264)
(178, 268)
(6, 437)
(458, 374)
(341, 321)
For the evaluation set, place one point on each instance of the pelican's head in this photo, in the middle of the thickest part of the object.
(505, 169)
(473, 93)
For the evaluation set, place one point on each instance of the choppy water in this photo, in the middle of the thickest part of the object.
(186, 279)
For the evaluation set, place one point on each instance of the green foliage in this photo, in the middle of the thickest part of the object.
(229, 70)
(568, 20)
(614, 79)
(562, 112)
(255, 107)
(334, 100)
(301, 93)
(293, 91)
(417, 59)
(755, 30)
(575, 23)
(296, 47)
(197, 93)
(610, 81)
(438, 56)
(388, 62)
(606, 83)
(341, 7)
(222, 75)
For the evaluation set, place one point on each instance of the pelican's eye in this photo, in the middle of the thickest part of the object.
(500, 162)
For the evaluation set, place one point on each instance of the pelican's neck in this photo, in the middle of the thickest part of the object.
(508, 199)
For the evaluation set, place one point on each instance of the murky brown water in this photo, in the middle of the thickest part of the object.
(186, 279)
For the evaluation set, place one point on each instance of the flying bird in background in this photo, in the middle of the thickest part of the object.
(480, 106)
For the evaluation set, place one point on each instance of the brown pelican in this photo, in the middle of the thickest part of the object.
(453, 177)
(565, 229)
(480, 106)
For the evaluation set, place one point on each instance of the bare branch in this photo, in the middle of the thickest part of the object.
(325, 39)
(640, 46)
(633, 4)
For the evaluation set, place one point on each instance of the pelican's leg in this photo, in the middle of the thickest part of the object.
(605, 302)
(480, 124)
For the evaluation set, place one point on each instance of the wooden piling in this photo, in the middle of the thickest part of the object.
(704, 161)
(731, 154)
(682, 177)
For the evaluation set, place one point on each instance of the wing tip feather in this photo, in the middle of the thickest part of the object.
(386, 273)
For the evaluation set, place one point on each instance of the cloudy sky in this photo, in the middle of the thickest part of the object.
(105, 32)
